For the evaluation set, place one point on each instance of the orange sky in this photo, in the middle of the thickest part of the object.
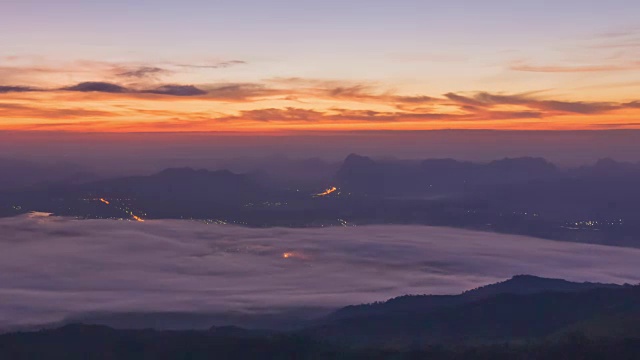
(295, 104)
(360, 65)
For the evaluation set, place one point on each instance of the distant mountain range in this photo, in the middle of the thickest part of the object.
(529, 196)
(182, 185)
(520, 195)
(362, 174)
(17, 174)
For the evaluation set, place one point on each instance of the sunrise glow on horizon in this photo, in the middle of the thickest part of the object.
(248, 66)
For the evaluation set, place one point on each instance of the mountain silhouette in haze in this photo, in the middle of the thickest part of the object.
(607, 167)
(522, 308)
(605, 191)
(526, 195)
(415, 304)
(183, 184)
(21, 174)
(365, 175)
(409, 314)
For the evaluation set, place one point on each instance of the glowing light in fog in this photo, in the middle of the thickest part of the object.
(328, 191)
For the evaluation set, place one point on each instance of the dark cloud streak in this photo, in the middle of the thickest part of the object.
(488, 100)
(11, 89)
(176, 90)
(97, 86)
(143, 72)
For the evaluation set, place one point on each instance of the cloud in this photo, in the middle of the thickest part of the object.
(51, 268)
(10, 89)
(340, 115)
(357, 91)
(577, 107)
(336, 115)
(364, 93)
(142, 72)
(39, 71)
(104, 87)
(574, 68)
(420, 99)
(325, 101)
(548, 107)
(633, 104)
(626, 38)
(15, 110)
(510, 115)
(226, 91)
(214, 65)
(465, 100)
(616, 125)
(348, 91)
(241, 91)
(97, 87)
(288, 114)
(71, 125)
(176, 90)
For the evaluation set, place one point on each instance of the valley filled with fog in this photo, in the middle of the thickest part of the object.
(54, 268)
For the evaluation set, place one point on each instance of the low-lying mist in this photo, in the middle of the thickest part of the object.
(52, 268)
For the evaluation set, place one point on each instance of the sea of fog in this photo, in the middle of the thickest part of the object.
(53, 268)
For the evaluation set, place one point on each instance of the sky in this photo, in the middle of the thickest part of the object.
(273, 67)
(52, 268)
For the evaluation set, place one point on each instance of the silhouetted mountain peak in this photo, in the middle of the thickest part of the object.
(530, 284)
(608, 167)
(356, 160)
(359, 171)
(525, 163)
(422, 304)
(609, 164)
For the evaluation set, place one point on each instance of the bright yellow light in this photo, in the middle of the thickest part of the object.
(295, 255)
(104, 201)
(328, 191)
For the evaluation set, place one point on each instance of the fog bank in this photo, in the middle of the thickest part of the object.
(52, 268)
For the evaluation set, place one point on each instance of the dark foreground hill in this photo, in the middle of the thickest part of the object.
(422, 304)
(511, 311)
(86, 342)
(296, 319)
(525, 317)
